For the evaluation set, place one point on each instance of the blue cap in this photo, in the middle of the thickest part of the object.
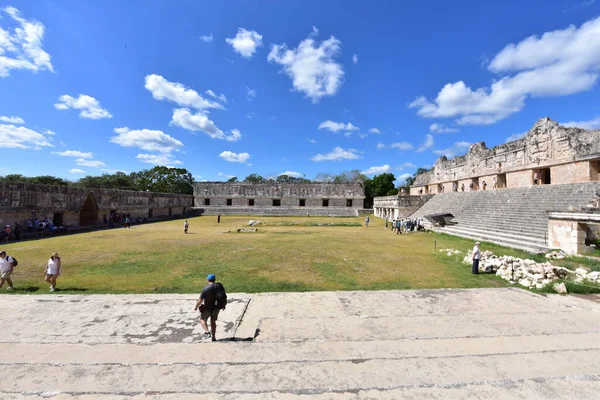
(211, 278)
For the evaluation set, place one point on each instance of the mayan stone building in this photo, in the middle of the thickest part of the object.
(548, 154)
(78, 207)
(279, 198)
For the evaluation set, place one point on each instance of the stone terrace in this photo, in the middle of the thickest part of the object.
(516, 217)
(436, 344)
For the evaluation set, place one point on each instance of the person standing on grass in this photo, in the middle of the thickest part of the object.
(53, 270)
(476, 258)
(212, 300)
(7, 265)
(367, 221)
(219, 219)
(185, 226)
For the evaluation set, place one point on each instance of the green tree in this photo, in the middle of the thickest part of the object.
(232, 179)
(255, 178)
(383, 184)
(164, 180)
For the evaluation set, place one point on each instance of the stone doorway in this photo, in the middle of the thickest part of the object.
(595, 170)
(545, 176)
(58, 219)
(474, 184)
(88, 215)
(501, 181)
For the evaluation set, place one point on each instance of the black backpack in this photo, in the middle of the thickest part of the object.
(15, 262)
(220, 296)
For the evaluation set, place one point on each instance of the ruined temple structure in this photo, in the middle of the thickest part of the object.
(79, 207)
(325, 199)
(548, 154)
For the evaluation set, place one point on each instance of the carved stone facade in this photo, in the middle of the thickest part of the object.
(398, 206)
(80, 207)
(548, 154)
(281, 198)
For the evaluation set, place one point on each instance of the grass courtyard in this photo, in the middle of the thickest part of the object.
(287, 254)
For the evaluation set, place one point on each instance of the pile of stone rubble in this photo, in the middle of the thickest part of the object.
(527, 273)
(253, 222)
(556, 255)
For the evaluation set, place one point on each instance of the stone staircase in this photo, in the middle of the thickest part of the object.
(514, 217)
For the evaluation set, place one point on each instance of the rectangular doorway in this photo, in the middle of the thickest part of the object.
(595, 170)
(57, 219)
(501, 181)
(545, 176)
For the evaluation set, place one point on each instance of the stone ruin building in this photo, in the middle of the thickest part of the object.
(313, 199)
(511, 194)
(80, 207)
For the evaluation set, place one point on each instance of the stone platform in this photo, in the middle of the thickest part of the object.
(437, 344)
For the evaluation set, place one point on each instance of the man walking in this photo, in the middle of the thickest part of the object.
(367, 221)
(7, 264)
(476, 257)
(185, 226)
(212, 300)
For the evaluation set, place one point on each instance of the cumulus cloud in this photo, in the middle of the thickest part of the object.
(19, 137)
(292, 174)
(557, 63)
(89, 106)
(163, 89)
(89, 163)
(337, 154)
(245, 42)
(377, 170)
(146, 139)
(441, 128)
(427, 144)
(21, 48)
(402, 178)
(11, 120)
(375, 131)
(207, 38)
(158, 159)
(250, 94)
(591, 124)
(456, 149)
(220, 97)
(355, 59)
(311, 66)
(73, 153)
(235, 157)
(337, 126)
(199, 122)
(76, 171)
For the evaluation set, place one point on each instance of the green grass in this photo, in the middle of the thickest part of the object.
(289, 254)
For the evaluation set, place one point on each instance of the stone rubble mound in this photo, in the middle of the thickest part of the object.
(556, 255)
(253, 222)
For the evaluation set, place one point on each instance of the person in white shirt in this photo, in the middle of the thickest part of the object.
(7, 264)
(52, 270)
(185, 226)
(476, 258)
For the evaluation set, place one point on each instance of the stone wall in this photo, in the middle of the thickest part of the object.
(212, 195)
(398, 206)
(571, 154)
(21, 201)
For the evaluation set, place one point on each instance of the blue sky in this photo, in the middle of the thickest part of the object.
(230, 88)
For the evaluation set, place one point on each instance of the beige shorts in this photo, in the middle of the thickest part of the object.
(6, 274)
(213, 314)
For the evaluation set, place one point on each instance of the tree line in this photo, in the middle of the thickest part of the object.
(179, 180)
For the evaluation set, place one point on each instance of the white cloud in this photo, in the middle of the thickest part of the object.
(558, 63)
(292, 174)
(235, 157)
(207, 38)
(89, 106)
(401, 146)
(441, 128)
(199, 122)
(312, 68)
(73, 153)
(313, 141)
(427, 144)
(220, 97)
(19, 137)
(89, 163)
(591, 124)
(402, 178)
(456, 149)
(408, 165)
(22, 48)
(355, 59)
(77, 171)
(250, 94)
(337, 154)
(375, 131)
(163, 89)
(381, 146)
(146, 139)
(245, 42)
(158, 159)
(225, 175)
(49, 132)
(377, 170)
(12, 120)
(337, 126)
(515, 136)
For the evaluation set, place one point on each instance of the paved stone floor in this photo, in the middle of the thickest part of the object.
(435, 344)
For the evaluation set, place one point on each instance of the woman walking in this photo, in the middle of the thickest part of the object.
(53, 270)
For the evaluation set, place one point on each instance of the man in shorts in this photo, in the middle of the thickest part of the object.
(7, 264)
(208, 308)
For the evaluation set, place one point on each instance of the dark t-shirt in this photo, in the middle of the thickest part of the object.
(209, 294)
